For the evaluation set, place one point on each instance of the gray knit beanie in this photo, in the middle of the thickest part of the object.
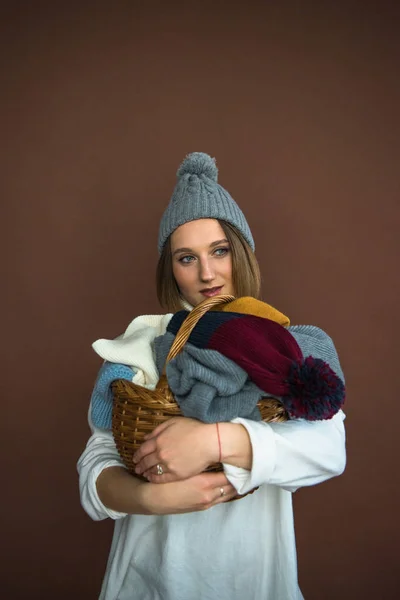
(197, 195)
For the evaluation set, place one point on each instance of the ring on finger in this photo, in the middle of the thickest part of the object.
(222, 492)
(160, 470)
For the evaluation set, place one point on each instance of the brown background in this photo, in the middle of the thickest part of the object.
(99, 104)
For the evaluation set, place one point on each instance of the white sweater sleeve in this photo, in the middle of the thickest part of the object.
(99, 454)
(291, 455)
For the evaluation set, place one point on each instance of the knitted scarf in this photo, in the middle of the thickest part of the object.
(270, 354)
(208, 385)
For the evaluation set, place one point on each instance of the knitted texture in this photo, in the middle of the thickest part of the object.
(251, 306)
(224, 399)
(313, 341)
(274, 359)
(207, 385)
(197, 195)
(102, 399)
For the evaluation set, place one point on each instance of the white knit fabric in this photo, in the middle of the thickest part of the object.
(243, 549)
(134, 348)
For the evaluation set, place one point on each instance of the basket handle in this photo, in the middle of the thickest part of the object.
(190, 322)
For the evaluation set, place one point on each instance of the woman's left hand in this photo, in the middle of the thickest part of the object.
(180, 448)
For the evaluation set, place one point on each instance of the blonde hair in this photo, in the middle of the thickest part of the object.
(246, 277)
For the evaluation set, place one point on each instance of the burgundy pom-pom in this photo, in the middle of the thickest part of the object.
(315, 391)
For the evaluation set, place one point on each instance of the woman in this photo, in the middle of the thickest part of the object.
(176, 536)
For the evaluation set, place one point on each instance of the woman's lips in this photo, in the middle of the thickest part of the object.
(211, 292)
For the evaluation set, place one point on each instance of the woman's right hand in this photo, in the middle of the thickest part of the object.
(189, 495)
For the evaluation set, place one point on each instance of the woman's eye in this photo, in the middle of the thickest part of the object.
(186, 259)
(221, 251)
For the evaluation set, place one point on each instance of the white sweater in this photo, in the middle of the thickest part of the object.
(233, 551)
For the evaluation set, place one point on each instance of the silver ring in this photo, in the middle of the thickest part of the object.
(222, 491)
(160, 470)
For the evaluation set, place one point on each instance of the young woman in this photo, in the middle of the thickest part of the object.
(176, 536)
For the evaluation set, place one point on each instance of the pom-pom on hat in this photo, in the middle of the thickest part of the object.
(198, 195)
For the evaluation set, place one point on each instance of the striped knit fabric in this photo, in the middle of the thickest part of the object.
(299, 364)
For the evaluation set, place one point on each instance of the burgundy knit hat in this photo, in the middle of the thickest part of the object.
(268, 352)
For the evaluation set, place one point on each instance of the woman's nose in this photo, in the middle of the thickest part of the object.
(206, 272)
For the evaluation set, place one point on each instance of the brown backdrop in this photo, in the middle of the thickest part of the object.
(100, 102)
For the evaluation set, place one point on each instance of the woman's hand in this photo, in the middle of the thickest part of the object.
(191, 495)
(182, 447)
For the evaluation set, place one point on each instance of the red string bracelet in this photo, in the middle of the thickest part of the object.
(219, 443)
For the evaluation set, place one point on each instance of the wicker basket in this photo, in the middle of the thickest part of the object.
(137, 410)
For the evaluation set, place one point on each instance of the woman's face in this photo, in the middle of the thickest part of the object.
(201, 260)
